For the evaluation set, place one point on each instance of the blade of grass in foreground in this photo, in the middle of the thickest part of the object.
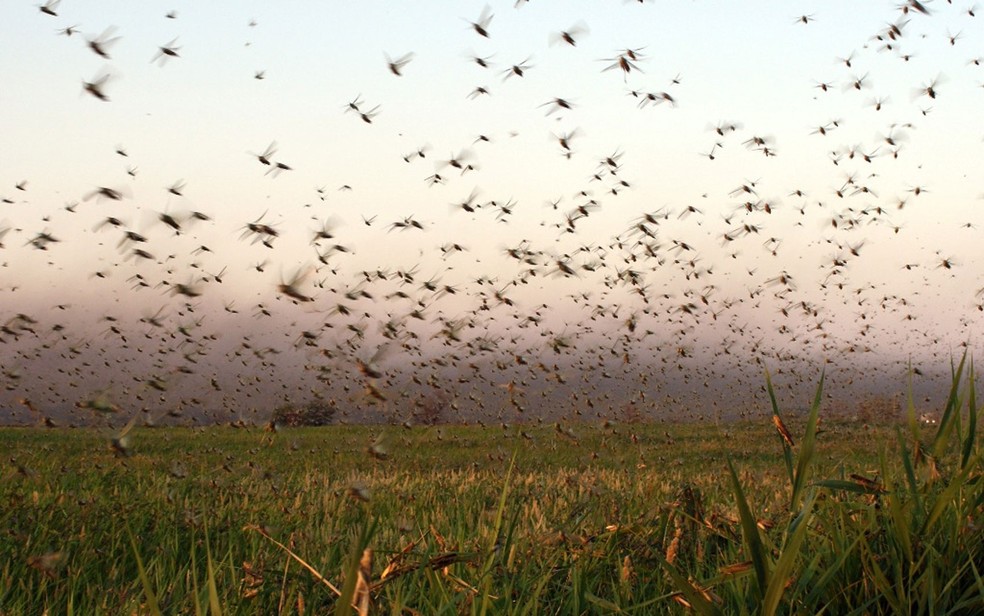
(876, 576)
(152, 604)
(910, 471)
(487, 570)
(807, 447)
(603, 604)
(194, 580)
(213, 593)
(902, 530)
(910, 406)
(698, 602)
(797, 476)
(970, 443)
(317, 575)
(947, 498)
(820, 587)
(950, 412)
(790, 552)
(753, 542)
(787, 452)
(355, 587)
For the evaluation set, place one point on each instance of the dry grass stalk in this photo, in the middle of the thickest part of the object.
(297, 558)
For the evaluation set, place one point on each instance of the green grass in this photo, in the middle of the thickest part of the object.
(636, 519)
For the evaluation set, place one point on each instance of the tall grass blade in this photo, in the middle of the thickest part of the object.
(910, 471)
(194, 581)
(354, 582)
(970, 443)
(790, 552)
(608, 607)
(820, 586)
(753, 541)
(901, 525)
(152, 605)
(910, 406)
(948, 498)
(214, 605)
(317, 575)
(878, 579)
(808, 446)
(787, 453)
(698, 602)
(487, 571)
(950, 412)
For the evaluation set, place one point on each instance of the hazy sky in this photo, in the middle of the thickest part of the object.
(836, 211)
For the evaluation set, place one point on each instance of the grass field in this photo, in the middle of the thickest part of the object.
(570, 519)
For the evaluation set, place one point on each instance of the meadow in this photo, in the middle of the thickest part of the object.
(786, 514)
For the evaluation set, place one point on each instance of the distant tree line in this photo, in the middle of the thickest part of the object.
(311, 413)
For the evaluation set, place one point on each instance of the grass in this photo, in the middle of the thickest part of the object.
(833, 518)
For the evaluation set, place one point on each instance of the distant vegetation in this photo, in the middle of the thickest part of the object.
(312, 413)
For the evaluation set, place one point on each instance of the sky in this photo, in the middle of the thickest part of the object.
(690, 193)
